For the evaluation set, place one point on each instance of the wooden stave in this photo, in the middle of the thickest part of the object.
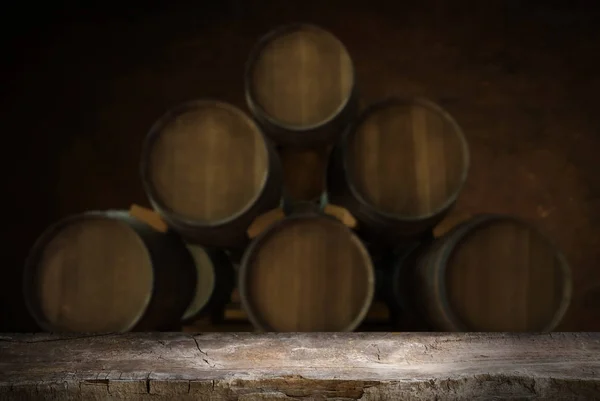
(322, 134)
(375, 225)
(232, 232)
(166, 250)
(298, 210)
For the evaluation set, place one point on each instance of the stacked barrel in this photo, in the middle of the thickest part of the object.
(316, 206)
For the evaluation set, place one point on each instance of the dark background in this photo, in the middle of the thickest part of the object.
(82, 84)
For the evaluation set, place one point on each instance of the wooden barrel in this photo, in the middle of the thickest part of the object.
(215, 279)
(300, 85)
(491, 273)
(399, 168)
(307, 272)
(107, 272)
(208, 170)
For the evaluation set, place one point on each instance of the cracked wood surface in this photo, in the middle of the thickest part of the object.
(344, 366)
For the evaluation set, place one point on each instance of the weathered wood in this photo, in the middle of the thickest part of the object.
(348, 366)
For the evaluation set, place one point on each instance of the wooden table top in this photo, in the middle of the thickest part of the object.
(348, 366)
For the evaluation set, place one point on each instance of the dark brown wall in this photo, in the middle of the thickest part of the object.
(80, 94)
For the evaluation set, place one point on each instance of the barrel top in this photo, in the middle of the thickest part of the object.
(406, 158)
(205, 162)
(504, 275)
(299, 76)
(307, 273)
(90, 273)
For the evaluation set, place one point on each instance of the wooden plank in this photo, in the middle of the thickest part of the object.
(341, 213)
(262, 222)
(149, 217)
(342, 366)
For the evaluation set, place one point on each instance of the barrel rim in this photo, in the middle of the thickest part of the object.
(258, 111)
(393, 101)
(254, 317)
(36, 251)
(453, 239)
(222, 272)
(155, 198)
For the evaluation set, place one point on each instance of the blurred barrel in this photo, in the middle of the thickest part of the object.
(399, 168)
(208, 170)
(300, 85)
(215, 279)
(491, 273)
(107, 272)
(307, 272)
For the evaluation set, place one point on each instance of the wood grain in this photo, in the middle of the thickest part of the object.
(208, 162)
(301, 77)
(343, 366)
(307, 273)
(94, 275)
(504, 277)
(407, 158)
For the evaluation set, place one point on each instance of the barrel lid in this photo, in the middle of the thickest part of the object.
(299, 77)
(405, 159)
(204, 163)
(89, 272)
(307, 273)
(502, 274)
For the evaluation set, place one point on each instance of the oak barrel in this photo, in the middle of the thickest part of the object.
(215, 279)
(300, 85)
(105, 271)
(491, 273)
(208, 170)
(307, 272)
(399, 168)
